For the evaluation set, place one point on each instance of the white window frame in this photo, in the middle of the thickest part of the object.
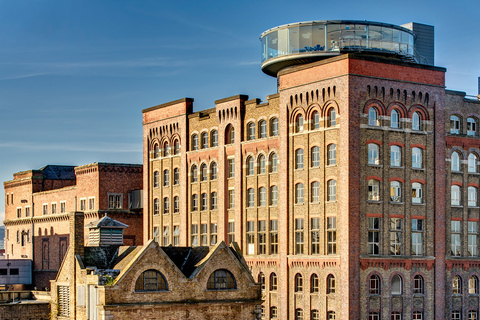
(455, 162)
(455, 192)
(417, 192)
(472, 163)
(471, 127)
(373, 117)
(373, 154)
(394, 119)
(417, 158)
(454, 124)
(395, 156)
(90, 206)
(115, 201)
(472, 196)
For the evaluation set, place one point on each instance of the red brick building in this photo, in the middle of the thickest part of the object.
(337, 187)
(37, 203)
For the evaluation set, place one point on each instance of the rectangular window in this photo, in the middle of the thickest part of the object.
(262, 197)
(396, 236)
(299, 159)
(194, 235)
(176, 176)
(156, 234)
(395, 156)
(273, 236)
(273, 195)
(166, 205)
(194, 202)
(91, 203)
(115, 201)
(417, 237)
(231, 199)
(373, 157)
(250, 237)
(27, 211)
(214, 200)
(456, 243)
(332, 235)
(166, 236)
(63, 207)
(204, 234)
(231, 168)
(315, 235)
(83, 204)
(45, 209)
(54, 208)
(472, 238)
(204, 202)
(262, 237)
(19, 212)
(298, 236)
(231, 232)
(166, 177)
(176, 204)
(250, 198)
(373, 236)
(176, 236)
(213, 234)
(456, 315)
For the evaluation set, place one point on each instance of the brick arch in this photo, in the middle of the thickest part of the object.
(396, 179)
(153, 142)
(473, 184)
(328, 105)
(399, 107)
(313, 107)
(475, 151)
(374, 178)
(457, 183)
(458, 150)
(419, 181)
(421, 109)
(377, 104)
(393, 274)
(294, 114)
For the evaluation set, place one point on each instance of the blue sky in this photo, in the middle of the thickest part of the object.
(75, 75)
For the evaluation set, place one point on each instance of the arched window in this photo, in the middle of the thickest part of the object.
(417, 192)
(205, 140)
(250, 166)
(262, 196)
(273, 163)
(176, 147)
(194, 173)
(213, 171)
(299, 123)
(373, 190)
(195, 142)
(418, 285)
(298, 283)
(315, 120)
(316, 314)
(315, 156)
(230, 135)
(156, 152)
(374, 284)
(314, 283)
(454, 125)
(315, 191)
(332, 118)
(299, 193)
(156, 206)
(262, 126)
(373, 117)
(472, 196)
(166, 149)
(416, 121)
(471, 127)
(396, 286)
(273, 313)
(251, 131)
(332, 154)
(274, 127)
(221, 279)
(456, 285)
(455, 162)
(332, 190)
(156, 179)
(395, 156)
(455, 195)
(273, 281)
(395, 191)
(417, 158)
(373, 157)
(331, 315)
(298, 314)
(151, 280)
(176, 176)
(330, 284)
(472, 163)
(299, 159)
(166, 177)
(473, 285)
(203, 172)
(261, 164)
(214, 139)
(261, 280)
(394, 119)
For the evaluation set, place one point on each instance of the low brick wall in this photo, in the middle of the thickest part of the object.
(26, 310)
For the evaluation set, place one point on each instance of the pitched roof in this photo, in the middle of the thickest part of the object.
(106, 221)
(56, 172)
(186, 258)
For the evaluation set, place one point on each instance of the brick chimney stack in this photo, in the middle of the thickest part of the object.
(77, 228)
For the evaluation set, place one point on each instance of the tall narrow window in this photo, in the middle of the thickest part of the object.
(396, 285)
(315, 235)
(416, 121)
(374, 284)
(166, 177)
(395, 156)
(472, 238)
(214, 138)
(176, 176)
(261, 164)
(314, 283)
(473, 285)
(262, 196)
(299, 193)
(373, 190)
(332, 118)
(417, 192)
(395, 191)
(273, 195)
(194, 235)
(417, 158)
(250, 198)
(417, 237)
(262, 125)
(331, 284)
(262, 237)
(166, 237)
(394, 119)
(203, 172)
(299, 123)
(471, 127)
(299, 159)
(373, 157)
(250, 166)
(166, 205)
(251, 131)
(456, 243)
(166, 149)
(396, 236)
(372, 117)
(273, 281)
(176, 236)
(298, 314)
(213, 171)
(205, 140)
(273, 236)
(298, 283)
(315, 191)
(332, 154)
(454, 125)
(274, 126)
(194, 173)
(230, 135)
(204, 234)
(456, 285)
(156, 178)
(455, 162)
(273, 163)
(156, 151)
(373, 236)
(472, 196)
(298, 236)
(176, 147)
(315, 156)
(213, 200)
(231, 199)
(455, 195)
(315, 120)
(194, 202)
(250, 237)
(156, 206)
(231, 232)
(231, 168)
(204, 202)
(195, 142)
(331, 235)
(418, 284)
(472, 163)
(176, 204)
(332, 190)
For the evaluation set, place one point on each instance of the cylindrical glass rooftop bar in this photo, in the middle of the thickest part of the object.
(310, 41)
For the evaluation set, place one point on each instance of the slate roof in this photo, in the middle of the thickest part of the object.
(186, 258)
(106, 221)
(55, 172)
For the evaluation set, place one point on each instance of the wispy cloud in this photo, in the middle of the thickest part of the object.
(121, 148)
(247, 63)
(22, 76)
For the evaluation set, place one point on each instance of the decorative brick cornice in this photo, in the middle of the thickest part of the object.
(320, 263)
(259, 262)
(462, 264)
(406, 264)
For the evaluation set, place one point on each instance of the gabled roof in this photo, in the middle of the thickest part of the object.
(56, 172)
(106, 222)
(186, 258)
